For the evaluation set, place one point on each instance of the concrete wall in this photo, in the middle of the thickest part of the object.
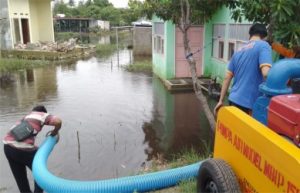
(164, 63)
(5, 31)
(41, 20)
(142, 41)
(105, 25)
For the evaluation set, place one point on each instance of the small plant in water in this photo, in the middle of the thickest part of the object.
(140, 66)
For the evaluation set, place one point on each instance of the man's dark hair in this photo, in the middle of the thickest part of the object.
(258, 29)
(40, 108)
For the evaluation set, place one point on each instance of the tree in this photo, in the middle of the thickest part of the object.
(71, 3)
(93, 11)
(135, 9)
(61, 7)
(111, 14)
(282, 17)
(102, 3)
(185, 13)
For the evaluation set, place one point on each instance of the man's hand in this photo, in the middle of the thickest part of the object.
(54, 132)
(218, 106)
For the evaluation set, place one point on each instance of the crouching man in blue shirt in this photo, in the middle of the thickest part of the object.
(248, 67)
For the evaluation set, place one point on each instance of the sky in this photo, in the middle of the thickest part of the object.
(119, 3)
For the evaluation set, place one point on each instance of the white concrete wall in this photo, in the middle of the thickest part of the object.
(142, 41)
(42, 20)
(99, 23)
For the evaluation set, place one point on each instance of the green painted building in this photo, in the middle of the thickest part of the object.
(163, 35)
(223, 36)
(220, 38)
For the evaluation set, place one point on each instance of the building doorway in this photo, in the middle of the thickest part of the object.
(25, 30)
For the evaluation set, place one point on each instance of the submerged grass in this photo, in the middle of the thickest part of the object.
(105, 50)
(10, 64)
(140, 66)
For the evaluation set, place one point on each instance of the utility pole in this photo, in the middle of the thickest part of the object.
(117, 39)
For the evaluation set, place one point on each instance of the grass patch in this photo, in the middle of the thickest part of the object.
(10, 64)
(140, 66)
(186, 157)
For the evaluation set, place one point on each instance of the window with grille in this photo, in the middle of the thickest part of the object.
(238, 36)
(158, 37)
(218, 41)
(221, 49)
(231, 48)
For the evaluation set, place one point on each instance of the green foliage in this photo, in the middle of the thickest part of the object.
(200, 11)
(188, 186)
(135, 11)
(282, 16)
(101, 9)
(61, 7)
(188, 156)
(71, 3)
(102, 3)
(185, 157)
(111, 14)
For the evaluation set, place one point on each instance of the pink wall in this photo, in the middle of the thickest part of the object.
(195, 35)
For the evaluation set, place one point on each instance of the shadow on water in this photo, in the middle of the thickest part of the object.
(121, 119)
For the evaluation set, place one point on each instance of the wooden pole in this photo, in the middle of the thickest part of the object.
(117, 39)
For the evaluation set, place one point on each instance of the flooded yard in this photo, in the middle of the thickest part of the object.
(114, 122)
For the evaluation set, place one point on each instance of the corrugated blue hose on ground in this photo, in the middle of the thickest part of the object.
(140, 183)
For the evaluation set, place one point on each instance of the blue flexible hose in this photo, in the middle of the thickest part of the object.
(140, 183)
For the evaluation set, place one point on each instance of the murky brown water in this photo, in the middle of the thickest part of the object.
(123, 119)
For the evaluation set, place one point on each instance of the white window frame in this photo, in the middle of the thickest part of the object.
(234, 49)
(158, 38)
(218, 36)
(238, 37)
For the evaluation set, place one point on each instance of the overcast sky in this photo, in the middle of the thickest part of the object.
(119, 3)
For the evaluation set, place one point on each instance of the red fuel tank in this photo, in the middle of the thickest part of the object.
(284, 116)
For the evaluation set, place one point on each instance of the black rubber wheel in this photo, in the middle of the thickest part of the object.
(216, 176)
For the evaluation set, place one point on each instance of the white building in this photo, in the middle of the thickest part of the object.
(25, 21)
(104, 25)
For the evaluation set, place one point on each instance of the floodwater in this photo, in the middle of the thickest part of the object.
(114, 122)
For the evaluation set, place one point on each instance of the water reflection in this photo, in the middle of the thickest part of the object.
(83, 38)
(122, 120)
(178, 123)
(94, 39)
(27, 88)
